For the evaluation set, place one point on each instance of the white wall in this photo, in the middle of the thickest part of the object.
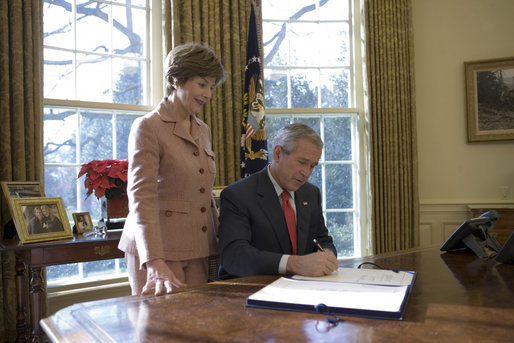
(452, 172)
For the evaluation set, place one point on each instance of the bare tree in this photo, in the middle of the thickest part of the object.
(279, 37)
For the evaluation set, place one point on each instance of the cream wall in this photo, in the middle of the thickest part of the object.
(447, 33)
(452, 172)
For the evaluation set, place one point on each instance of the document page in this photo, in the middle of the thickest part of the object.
(365, 276)
(333, 294)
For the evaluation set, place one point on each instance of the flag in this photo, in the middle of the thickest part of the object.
(254, 155)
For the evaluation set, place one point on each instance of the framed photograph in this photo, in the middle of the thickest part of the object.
(83, 222)
(490, 99)
(41, 219)
(13, 190)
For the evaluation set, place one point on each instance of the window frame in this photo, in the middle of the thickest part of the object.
(155, 91)
(355, 162)
(357, 95)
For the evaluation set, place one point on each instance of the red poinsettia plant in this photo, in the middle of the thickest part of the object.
(105, 178)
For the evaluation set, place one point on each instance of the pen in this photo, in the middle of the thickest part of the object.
(318, 245)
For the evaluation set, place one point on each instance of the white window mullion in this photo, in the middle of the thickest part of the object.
(75, 64)
(80, 199)
(114, 139)
(80, 271)
(111, 53)
(323, 170)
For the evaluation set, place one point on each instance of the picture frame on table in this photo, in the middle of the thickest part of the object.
(83, 222)
(490, 99)
(39, 219)
(16, 189)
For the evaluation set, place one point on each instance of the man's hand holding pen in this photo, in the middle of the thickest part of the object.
(322, 262)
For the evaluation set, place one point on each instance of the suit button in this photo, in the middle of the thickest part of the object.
(196, 153)
(202, 190)
(203, 209)
(201, 170)
(168, 213)
(204, 228)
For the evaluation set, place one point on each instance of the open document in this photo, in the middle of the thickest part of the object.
(349, 291)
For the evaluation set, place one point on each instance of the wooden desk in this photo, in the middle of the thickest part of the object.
(457, 297)
(34, 256)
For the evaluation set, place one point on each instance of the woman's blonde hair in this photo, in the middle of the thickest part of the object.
(189, 60)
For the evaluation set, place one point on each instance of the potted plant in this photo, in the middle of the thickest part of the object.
(107, 179)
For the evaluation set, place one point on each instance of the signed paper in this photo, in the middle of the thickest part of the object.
(365, 276)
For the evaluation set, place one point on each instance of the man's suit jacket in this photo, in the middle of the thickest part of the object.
(253, 232)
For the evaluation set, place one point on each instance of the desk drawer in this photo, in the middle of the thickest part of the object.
(47, 256)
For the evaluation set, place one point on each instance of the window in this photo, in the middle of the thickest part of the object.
(97, 78)
(310, 74)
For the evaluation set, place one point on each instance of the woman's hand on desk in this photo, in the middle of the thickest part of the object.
(159, 278)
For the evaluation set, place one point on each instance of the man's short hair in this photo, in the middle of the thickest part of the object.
(288, 136)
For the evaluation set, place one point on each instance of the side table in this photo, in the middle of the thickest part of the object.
(34, 256)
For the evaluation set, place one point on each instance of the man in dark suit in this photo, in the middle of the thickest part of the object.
(253, 233)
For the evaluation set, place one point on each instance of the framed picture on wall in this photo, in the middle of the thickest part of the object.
(41, 219)
(490, 99)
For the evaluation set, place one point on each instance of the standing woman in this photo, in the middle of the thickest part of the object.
(171, 227)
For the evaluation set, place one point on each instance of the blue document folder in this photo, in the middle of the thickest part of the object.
(349, 291)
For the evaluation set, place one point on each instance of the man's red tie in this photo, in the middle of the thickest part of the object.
(290, 220)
